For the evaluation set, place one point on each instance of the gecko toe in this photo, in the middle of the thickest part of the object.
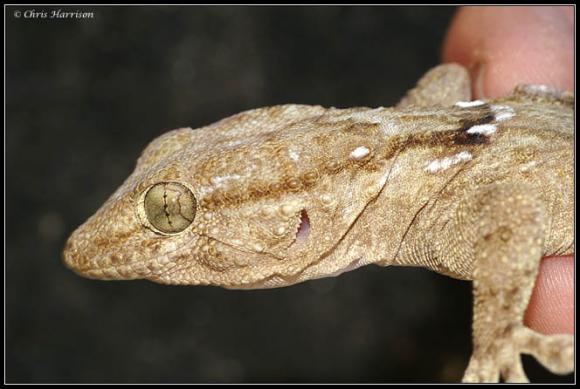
(502, 359)
(555, 352)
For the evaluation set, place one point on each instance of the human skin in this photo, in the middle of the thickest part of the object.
(503, 47)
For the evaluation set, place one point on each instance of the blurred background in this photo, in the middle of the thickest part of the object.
(86, 95)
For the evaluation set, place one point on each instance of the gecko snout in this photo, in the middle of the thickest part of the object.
(88, 260)
(76, 257)
(106, 243)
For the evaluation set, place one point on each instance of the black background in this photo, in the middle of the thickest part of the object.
(85, 96)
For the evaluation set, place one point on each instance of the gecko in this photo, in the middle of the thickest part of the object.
(478, 190)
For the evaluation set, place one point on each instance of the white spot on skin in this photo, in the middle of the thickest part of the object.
(504, 116)
(293, 155)
(447, 162)
(503, 112)
(218, 180)
(468, 104)
(359, 153)
(528, 166)
(483, 129)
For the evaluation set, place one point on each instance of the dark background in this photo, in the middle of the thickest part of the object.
(85, 96)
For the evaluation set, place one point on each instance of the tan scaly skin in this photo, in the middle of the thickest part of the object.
(279, 195)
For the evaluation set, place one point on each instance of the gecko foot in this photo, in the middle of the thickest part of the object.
(502, 357)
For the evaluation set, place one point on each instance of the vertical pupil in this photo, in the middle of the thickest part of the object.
(170, 207)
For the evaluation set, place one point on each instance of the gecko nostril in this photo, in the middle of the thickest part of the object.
(304, 227)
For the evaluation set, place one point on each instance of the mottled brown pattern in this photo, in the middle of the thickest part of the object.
(478, 191)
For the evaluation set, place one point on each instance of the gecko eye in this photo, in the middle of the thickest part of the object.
(170, 207)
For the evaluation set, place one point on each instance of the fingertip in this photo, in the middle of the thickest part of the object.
(506, 46)
(551, 307)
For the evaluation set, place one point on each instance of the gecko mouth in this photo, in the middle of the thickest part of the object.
(303, 228)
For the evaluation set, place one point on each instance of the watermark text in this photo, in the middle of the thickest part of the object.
(52, 14)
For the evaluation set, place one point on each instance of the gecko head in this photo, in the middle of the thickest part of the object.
(226, 205)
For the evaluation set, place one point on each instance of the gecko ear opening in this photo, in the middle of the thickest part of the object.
(304, 228)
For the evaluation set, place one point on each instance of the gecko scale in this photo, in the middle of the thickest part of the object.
(476, 190)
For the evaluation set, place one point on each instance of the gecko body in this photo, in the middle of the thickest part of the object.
(477, 190)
